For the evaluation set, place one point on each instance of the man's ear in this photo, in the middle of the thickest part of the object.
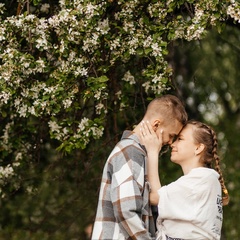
(156, 124)
(199, 149)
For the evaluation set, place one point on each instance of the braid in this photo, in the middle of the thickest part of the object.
(210, 158)
(225, 198)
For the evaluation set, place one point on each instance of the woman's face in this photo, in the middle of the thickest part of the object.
(183, 148)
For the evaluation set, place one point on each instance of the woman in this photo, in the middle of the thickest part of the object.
(191, 207)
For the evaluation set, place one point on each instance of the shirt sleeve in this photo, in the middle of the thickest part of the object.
(126, 193)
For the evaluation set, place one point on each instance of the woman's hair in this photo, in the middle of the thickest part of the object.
(169, 107)
(204, 134)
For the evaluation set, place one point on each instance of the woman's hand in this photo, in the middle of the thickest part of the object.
(149, 138)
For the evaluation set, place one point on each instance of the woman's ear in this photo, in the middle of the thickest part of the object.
(199, 149)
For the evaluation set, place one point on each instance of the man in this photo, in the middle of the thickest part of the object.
(124, 210)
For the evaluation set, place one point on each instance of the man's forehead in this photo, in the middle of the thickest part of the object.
(177, 127)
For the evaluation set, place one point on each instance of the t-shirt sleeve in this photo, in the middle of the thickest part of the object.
(177, 200)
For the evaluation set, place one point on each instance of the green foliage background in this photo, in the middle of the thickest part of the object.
(75, 74)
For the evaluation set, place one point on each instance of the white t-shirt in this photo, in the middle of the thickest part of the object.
(191, 207)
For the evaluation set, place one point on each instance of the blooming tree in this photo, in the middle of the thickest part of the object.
(65, 67)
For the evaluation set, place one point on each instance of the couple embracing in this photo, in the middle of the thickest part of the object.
(188, 208)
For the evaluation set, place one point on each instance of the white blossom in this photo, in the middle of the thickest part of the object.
(45, 7)
(119, 94)
(4, 97)
(157, 50)
(23, 110)
(32, 110)
(6, 172)
(97, 132)
(103, 26)
(83, 124)
(128, 77)
(2, 33)
(99, 107)
(54, 127)
(234, 10)
(18, 157)
(67, 103)
(81, 71)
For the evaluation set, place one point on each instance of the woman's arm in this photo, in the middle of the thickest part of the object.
(153, 145)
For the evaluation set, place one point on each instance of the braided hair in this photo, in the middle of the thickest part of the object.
(204, 134)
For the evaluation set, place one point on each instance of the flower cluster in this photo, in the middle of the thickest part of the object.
(233, 10)
(56, 72)
(6, 173)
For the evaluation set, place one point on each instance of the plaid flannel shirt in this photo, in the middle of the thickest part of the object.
(124, 211)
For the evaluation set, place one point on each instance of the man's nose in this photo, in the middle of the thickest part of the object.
(170, 142)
